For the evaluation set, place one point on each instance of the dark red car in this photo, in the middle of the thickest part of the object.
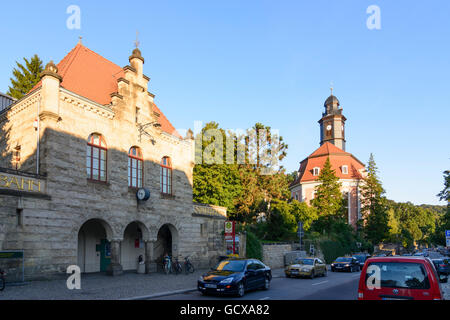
(399, 278)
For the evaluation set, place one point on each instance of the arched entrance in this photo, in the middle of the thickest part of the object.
(133, 245)
(94, 249)
(166, 242)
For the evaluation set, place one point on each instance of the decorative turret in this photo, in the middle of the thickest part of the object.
(50, 92)
(137, 61)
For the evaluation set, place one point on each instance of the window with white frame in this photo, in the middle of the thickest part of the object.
(316, 171)
(344, 169)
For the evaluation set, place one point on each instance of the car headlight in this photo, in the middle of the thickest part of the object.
(200, 278)
(332, 264)
(226, 280)
(347, 265)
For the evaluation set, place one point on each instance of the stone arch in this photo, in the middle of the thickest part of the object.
(135, 234)
(167, 241)
(93, 246)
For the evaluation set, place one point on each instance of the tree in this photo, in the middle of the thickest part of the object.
(328, 199)
(374, 208)
(26, 76)
(215, 183)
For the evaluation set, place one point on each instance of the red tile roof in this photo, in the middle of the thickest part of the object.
(90, 75)
(338, 158)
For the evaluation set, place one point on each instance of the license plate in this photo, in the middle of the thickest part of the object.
(209, 285)
(294, 272)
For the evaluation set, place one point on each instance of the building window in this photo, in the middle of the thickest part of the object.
(166, 176)
(316, 171)
(345, 169)
(96, 158)
(135, 168)
(16, 157)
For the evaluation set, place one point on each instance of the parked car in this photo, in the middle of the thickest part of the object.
(346, 264)
(306, 267)
(235, 276)
(399, 278)
(442, 266)
(361, 257)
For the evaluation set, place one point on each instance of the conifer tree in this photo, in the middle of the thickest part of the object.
(374, 208)
(25, 77)
(328, 199)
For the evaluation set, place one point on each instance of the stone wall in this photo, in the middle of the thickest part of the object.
(273, 254)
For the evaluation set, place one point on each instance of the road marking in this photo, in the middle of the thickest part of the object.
(315, 284)
(265, 298)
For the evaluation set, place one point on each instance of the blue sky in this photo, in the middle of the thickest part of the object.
(242, 62)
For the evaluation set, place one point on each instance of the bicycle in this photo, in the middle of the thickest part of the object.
(188, 266)
(2, 279)
(177, 267)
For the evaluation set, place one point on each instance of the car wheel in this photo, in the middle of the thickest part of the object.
(266, 284)
(241, 289)
(332, 269)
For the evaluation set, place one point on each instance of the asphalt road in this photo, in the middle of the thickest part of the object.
(335, 286)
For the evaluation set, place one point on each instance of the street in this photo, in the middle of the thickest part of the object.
(335, 286)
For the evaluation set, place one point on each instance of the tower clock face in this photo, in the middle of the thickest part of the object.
(329, 127)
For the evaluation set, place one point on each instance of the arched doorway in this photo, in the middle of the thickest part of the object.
(94, 249)
(133, 245)
(166, 242)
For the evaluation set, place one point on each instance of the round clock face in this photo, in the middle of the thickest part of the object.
(142, 194)
(329, 127)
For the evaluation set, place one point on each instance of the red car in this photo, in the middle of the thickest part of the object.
(399, 278)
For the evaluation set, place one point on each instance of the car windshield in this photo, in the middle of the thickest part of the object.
(343, 259)
(308, 262)
(360, 258)
(406, 275)
(231, 265)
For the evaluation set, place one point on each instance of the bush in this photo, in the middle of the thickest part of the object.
(254, 246)
(332, 249)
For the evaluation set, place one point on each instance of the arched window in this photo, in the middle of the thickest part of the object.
(96, 158)
(166, 176)
(135, 168)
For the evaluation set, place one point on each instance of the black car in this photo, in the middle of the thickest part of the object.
(235, 276)
(361, 259)
(442, 266)
(345, 264)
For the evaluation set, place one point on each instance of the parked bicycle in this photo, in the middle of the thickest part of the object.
(177, 266)
(188, 266)
(2, 279)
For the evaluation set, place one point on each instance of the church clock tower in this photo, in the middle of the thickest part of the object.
(332, 124)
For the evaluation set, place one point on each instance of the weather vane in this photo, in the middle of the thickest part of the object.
(331, 87)
(136, 43)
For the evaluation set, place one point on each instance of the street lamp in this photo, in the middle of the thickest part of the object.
(142, 131)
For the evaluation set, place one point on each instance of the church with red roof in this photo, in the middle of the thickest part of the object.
(347, 167)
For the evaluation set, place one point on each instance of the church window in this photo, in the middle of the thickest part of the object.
(344, 169)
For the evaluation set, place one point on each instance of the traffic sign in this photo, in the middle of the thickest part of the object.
(447, 233)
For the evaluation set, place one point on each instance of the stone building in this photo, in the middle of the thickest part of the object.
(76, 152)
(347, 167)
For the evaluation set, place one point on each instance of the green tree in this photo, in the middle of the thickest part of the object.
(373, 205)
(328, 199)
(25, 77)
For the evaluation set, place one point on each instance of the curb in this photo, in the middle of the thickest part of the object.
(161, 294)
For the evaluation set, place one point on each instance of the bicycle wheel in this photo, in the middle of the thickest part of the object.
(166, 268)
(191, 268)
(2, 283)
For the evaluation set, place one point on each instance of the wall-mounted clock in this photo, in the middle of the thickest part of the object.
(143, 194)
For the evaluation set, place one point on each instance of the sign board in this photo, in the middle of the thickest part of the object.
(230, 233)
(11, 254)
(21, 183)
(447, 233)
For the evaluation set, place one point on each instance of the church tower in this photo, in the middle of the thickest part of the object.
(332, 124)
